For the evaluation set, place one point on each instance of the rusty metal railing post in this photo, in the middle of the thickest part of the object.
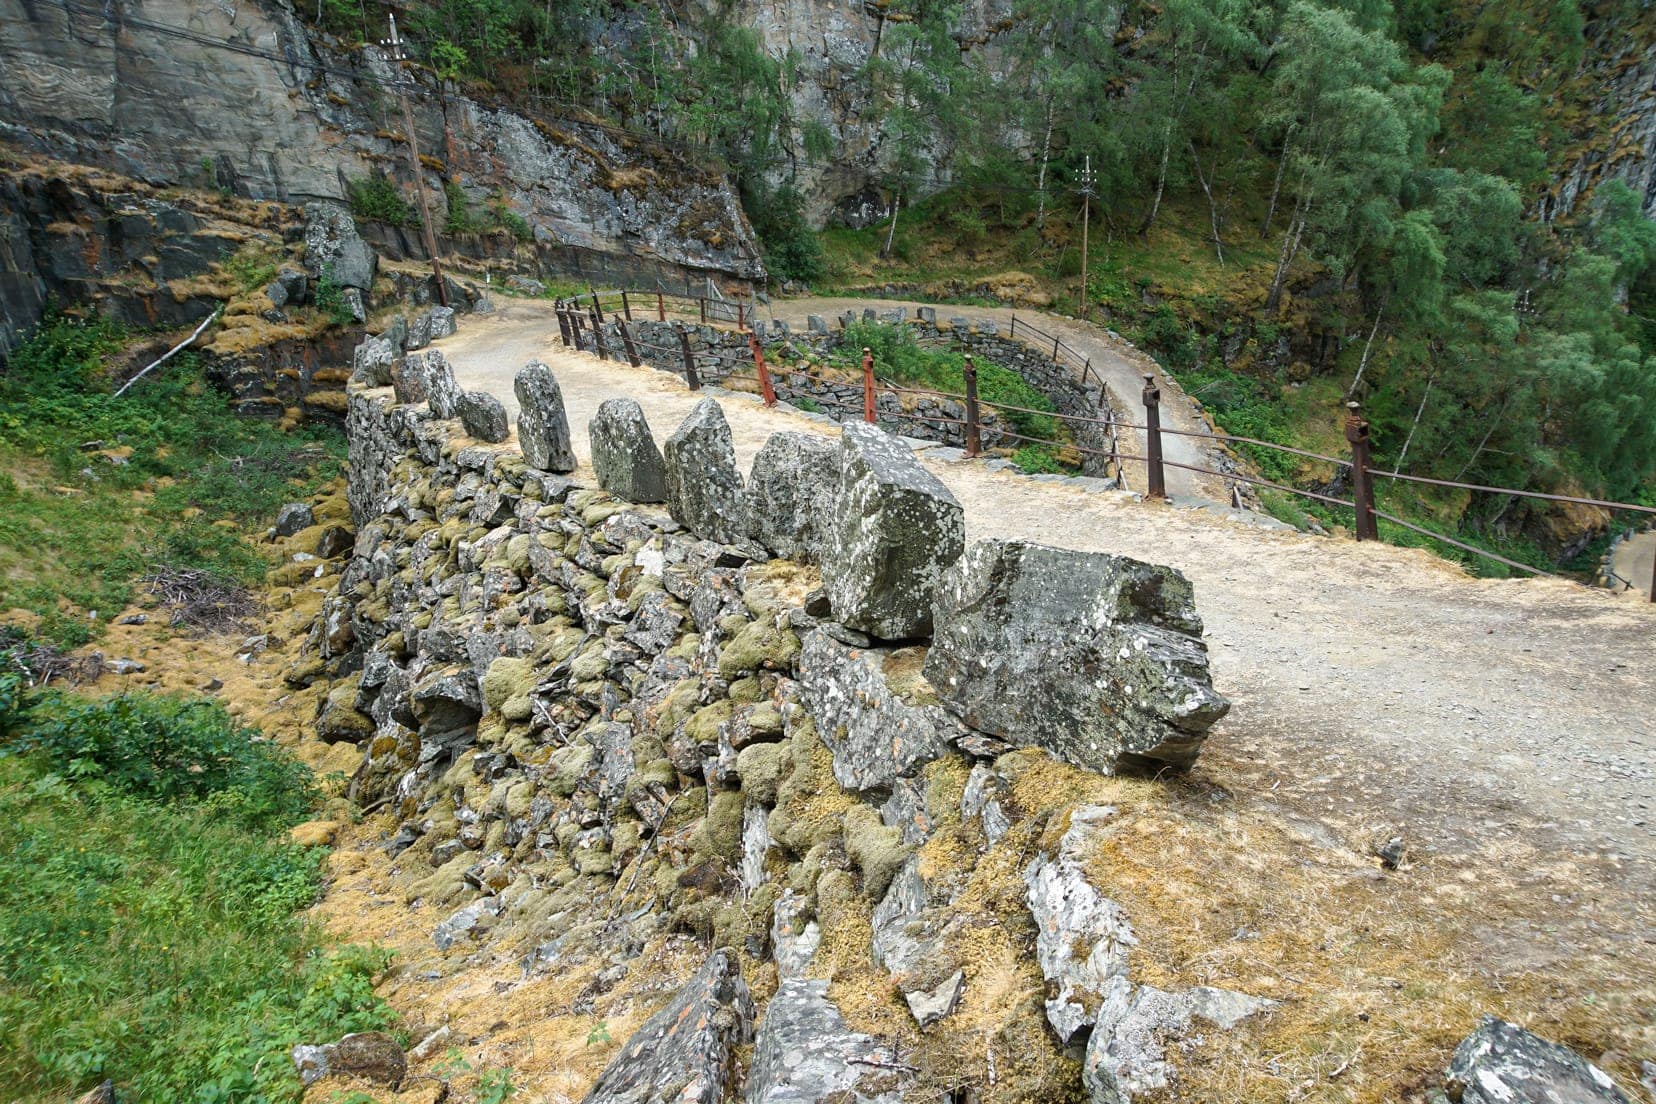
(627, 341)
(597, 310)
(868, 384)
(1653, 572)
(740, 324)
(1362, 486)
(563, 326)
(1156, 477)
(661, 306)
(691, 379)
(974, 442)
(1055, 350)
(598, 332)
(575, 325)
(702, 302)
(759, 366)
(626, 307)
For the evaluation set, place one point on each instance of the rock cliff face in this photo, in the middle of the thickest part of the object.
(1619, 140)
(242, 97)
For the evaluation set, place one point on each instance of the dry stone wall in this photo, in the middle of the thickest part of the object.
(600, 731)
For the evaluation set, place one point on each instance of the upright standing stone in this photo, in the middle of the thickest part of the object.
(682, 1054)
(893, 530)
(1096, 658)
(543, 427)
(624, 455)
(484, 417)
(371, 362)
(704, 489)
(790, 492)
(426, 377)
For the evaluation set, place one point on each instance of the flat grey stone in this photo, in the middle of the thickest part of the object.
(874, 736)
(805, 1054)
(1501, 1063)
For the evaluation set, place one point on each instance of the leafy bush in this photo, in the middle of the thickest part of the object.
(1038, 460)
(148, 909)
(167, 749)
(510, 221)
(789, 245)
(376, 198)
(461, 219)
(329, 297)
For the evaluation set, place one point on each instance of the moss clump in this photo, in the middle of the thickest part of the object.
(877, 850)
(758, 644)
(568, 764)
(809, 804)
(591, 664)
(703, 727)
(720, 832)
(507, 677)
(761, 767)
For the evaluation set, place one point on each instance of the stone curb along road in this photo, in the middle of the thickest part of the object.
(1377, 685)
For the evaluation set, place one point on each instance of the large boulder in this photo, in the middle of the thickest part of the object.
(875, 736)
(431, 324)
(543, 426)
(624, 455)
(1096, 658)
(1501, 1063)
(704, 488)
(429, 378)
(333, 248)
(805, 1054)
(371, 362)
(893, 530)
(483, 416)
(790, 493)
(682, 1054)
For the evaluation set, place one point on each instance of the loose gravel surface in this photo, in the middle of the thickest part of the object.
(1377, 691)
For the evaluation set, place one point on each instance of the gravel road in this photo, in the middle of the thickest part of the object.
(1377, 690)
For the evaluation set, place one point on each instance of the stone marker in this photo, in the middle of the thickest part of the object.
(790, 492)
(484, 416)
(1501, 1063)
(893, 530)
(442, 391)
(682, 1054)
(1096, 658)
(543, 427)
(371, 362)
(928, 315)
(704, 489)
(816, 324)
(624, 454)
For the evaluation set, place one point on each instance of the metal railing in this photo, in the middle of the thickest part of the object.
(573, 320)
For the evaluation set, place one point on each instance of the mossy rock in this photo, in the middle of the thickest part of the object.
(758, 644)
(720, 832)
(761, 768)
(591, 665)
(568, 765)
(507, 678)
(877, 850)
(517, 555)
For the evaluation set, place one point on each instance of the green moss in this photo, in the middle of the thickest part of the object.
(507, 678)
(761, 767)
(591, 664)
(720, 832)
(877, 850)
(703, 727)
(745, 691)
(568, 764)
(758, 644)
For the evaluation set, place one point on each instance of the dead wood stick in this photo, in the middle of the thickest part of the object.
(164, 357)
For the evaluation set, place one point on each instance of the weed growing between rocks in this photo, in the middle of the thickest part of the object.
(148, 905)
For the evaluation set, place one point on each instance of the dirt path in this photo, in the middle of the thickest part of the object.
(1121, 366)
(1377, 690)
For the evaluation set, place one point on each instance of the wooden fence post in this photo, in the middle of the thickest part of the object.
(661, 306)
(626, 307)
(702, 302)
(597, 310)
(627, 341)
(1157, 478)
(974, 443)
(868, 384)
(598, 332)
(1362, 485)
(765, 387)
(740, 324)
(691, 379)
(575, 325)
(563, 327)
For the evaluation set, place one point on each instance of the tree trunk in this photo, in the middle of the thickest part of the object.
(891, 231)
(1419, 410)
(1290, 249)
(1213, 209)
(1276, 188)
(1161, 182)
(1040, 180)
(1494, 423)
(1362, 365)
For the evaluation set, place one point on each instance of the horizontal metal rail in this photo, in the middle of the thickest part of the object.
(1510, 491)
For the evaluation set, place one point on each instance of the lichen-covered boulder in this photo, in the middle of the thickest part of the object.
(543, 426)
(1501, 1063)
(429, 378)
(790, 493)
(371, 362)
(483, 416)
(874, 735)
(1126, 1053)
(893, 530)
(333, 248)
(704, 488)
(805, 1054)
(624, 455)
(682, 1054)
(1096, 658)
(294, 517)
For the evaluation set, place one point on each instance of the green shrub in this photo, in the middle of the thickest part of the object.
(149, 909)
(329, 297)
(376, 198)
(790, 247)
(510, 221)
(1038, 460)
(461, 218)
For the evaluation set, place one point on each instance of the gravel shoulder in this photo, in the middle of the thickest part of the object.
(1377, 690)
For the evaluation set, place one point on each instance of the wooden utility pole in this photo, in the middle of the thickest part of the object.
(394, 44)
(1086, 213)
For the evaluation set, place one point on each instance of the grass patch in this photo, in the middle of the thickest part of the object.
(96, 492)
(148, 906)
